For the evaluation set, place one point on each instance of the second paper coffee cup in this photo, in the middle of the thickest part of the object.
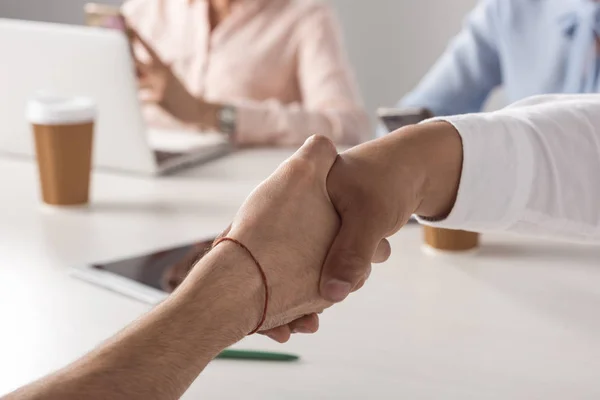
(450, 240)
(63, 130)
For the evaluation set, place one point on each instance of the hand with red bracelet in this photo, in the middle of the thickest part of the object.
(264, 274)
(288, 224)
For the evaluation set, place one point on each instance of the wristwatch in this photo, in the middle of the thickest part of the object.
(227, 119)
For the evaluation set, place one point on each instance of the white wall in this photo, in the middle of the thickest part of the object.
(391, 42)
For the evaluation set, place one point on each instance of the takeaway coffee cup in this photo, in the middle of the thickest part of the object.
(450, 240)
(63, 129)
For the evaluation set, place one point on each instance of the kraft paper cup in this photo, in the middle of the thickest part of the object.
(63, 129)
(450, 240)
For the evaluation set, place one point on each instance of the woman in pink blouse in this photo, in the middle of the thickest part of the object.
(267, 72)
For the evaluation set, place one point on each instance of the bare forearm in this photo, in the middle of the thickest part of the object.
(422, 161)
(161, 354)
(440, 149)
(531, 168)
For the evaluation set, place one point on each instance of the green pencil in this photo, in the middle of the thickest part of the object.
(231, 354)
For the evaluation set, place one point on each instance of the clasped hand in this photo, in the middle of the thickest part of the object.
(316, 225)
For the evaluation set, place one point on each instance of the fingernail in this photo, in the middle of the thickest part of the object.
(301, 329)
(336, 290)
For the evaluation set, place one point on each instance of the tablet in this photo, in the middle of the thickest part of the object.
(147, 277)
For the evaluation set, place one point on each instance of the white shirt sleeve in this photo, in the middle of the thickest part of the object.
(531, 168)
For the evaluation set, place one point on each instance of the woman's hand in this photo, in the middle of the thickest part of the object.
(159, 85)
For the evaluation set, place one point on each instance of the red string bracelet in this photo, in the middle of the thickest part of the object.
(262, 275)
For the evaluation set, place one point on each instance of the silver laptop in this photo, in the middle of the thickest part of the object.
(72, 60)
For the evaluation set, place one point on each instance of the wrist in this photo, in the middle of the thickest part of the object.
(440, 149)
(227, 292)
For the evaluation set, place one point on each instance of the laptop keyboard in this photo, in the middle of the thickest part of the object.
(162, 156)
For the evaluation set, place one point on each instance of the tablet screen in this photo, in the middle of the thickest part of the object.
(162, 270)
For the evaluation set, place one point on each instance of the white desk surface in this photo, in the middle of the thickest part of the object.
(518, 320)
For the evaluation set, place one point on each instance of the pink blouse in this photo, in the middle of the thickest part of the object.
(280, 62)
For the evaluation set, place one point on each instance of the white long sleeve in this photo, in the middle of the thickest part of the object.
(531, 168)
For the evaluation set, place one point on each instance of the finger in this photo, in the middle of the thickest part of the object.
(144, 75)
(383, 252)
(147, 96)
(280, 334)
(149, 49)
(320, 151)
(142, 69)
(307, 324)
(144, 83)
(362, 280)
(349, 257)
(360, 284)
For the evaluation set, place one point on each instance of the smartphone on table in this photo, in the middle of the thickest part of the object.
(104, 16)
(394, 118)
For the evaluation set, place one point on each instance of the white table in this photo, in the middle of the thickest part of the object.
(518, 320)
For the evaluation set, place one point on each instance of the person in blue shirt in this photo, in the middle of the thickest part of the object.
(528, 47)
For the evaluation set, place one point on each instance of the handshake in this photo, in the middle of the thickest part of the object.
(320, 220)
(313, 228)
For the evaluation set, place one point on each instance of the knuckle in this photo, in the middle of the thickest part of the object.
(322, 143)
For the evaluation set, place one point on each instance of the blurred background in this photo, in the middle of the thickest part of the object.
(388, 41)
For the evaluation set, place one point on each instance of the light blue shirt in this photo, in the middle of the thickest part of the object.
(528, 47)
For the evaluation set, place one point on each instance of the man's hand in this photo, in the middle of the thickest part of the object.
(376, 187)
(158, 84)
(289, 223)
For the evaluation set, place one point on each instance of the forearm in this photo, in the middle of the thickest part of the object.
(423, 161)
(436, 149)
(160, 355)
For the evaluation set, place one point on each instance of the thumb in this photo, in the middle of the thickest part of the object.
(319, 151)
(349, 258)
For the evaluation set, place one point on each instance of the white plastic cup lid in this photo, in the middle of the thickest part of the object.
(59, 110)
